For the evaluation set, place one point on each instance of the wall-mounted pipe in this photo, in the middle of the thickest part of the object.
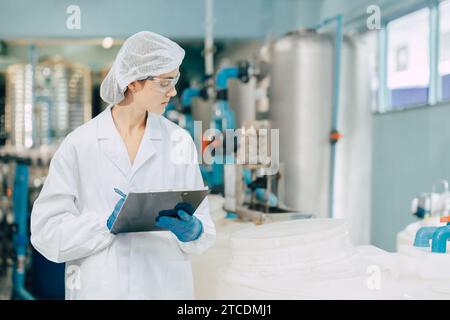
(188, 95)
(223, 116)
(21, 239)
(209, 38)
(224, 75)
(334, 135)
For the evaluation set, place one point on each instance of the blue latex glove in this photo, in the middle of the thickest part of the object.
(117, 208)
(181, 222)
(174, 212)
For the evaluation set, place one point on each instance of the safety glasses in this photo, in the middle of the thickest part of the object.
(165, 84)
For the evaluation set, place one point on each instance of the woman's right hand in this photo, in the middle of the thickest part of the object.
(117, 208)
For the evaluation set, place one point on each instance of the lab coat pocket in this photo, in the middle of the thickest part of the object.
(179, 281)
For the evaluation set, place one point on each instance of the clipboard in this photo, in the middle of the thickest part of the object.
(140, 210)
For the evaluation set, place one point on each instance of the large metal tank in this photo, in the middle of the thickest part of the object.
(60, 101)
(300, 107)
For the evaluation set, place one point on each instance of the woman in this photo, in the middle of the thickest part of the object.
(128, 147)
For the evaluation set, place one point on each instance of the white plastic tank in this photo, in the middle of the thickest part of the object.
(208, 266)
(205, 267)
(312, 259)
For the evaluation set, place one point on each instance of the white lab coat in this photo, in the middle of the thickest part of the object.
(68, 220)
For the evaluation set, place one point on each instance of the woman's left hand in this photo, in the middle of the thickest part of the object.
(186, 228)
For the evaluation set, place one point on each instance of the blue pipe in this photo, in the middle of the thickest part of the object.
(440, 238)
(186, 101)
(336, 97)
(423, 237)
(337, 74)
(20, 202)
(261, 194)
(188, 95)
(247, 175)
(23, 293)
(223, 118)
(224, 75)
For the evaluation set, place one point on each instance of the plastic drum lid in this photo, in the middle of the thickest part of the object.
(287, 233)
(441, 287)
(424, 264)
(293, 255)
(289, 245)
(309, 287)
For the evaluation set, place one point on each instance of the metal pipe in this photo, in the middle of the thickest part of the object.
(382, 69)
(209, 37)
(30, 130)
(434, 53)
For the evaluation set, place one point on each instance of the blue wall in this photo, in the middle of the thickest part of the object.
(411, 150)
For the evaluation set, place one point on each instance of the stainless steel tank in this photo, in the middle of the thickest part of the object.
(18, 110)
(241, 97)
(60, 101)
(300, 107)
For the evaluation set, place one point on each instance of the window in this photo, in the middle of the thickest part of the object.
(408, 61)
(444, 52)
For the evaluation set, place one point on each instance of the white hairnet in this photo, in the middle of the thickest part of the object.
(143, 54)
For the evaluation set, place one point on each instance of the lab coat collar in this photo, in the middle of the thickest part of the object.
(115, 149)
(106, 128)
